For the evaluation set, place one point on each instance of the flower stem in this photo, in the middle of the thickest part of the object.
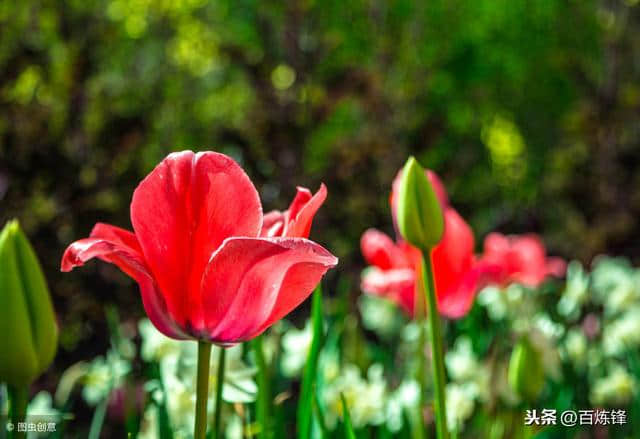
(19, 399)
(437, 355)
(202, 389)
(219, 386)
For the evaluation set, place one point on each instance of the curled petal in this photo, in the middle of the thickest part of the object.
(302, 210)
(303, 195)
(117, 246)
(181, 213)
(379, 250)
(252, 282)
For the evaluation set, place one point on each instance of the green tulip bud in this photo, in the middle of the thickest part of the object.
(526, 374)
(27, 321)
(419, 213)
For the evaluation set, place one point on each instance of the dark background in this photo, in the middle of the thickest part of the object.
(528, 110)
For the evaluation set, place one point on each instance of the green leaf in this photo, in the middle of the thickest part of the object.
(263, 403)
(305, 404)
(348, 428)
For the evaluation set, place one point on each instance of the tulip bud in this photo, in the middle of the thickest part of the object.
(419, 213)
(27, 321)
(526, 374)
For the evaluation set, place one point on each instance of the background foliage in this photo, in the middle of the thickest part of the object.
(528, 110)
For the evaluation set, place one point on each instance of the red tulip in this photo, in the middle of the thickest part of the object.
(521, 259)
(457, 273)
(203, 269)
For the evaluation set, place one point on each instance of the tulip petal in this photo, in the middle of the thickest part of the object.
(453, 256)
(302, 210)
(109, 244)
(456, 301)
(181, 213)
(522, 259)
(379, 250)
(251, 283)
(397, 285)
(272, 224)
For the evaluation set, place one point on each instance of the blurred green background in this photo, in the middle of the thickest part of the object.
(528, 110)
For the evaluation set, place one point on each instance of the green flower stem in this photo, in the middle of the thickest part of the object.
(437, 355)
(418, 424)
(264, 397)
(19, 398)
(202, 389)
(219, 386)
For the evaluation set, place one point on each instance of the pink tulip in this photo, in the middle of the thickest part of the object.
(521, 259)
(198, 253)
(395, 266)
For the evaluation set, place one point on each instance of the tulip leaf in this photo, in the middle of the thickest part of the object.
(305, 404)
(348, 428)
(263, 402)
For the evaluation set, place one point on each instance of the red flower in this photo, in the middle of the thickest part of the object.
(196, 252)
(457, 273)
(521, 259)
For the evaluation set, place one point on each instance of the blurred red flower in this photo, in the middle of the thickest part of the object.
(458, 275)
(522, 259)
(205, 268)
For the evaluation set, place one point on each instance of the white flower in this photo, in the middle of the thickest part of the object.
(365, 398)
(178, 367)
(615, 283)
(576, 292)
(461, 362)
(295, 345)
(460, 404)
(492, 298)
(575, 346)
(615, 389)
(623, 333)
(379, 315)
(155, 345)
(149, 423)
(404, 399)
(234, 428)
(103, 376)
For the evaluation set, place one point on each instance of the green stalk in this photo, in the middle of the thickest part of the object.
(202, 389)
(437, 355)
(419, 427)
(98, 419)
(262, 404)
(18, 398)
(219, 386)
